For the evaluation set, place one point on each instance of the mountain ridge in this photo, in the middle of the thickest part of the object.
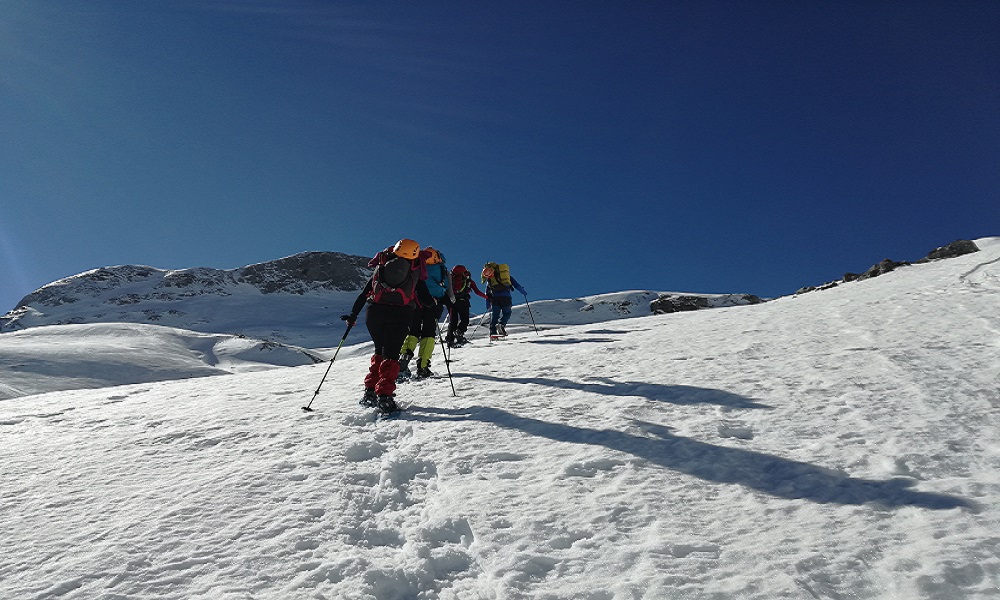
(297, 300)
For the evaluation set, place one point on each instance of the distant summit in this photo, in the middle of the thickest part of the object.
(296, 299)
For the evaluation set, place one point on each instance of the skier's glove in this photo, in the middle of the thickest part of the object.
(351, 319)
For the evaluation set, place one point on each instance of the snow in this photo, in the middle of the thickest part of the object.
(838, 444)
(284, 305)
(605, 307)
(64, 357)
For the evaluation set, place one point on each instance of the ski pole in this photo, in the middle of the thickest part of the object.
(447, 362)
(530, 313)
(480, 324)
(307, 407)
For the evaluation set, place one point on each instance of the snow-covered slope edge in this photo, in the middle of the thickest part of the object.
(619, 305)
(295, 300)
(832, 445)
(64, 357)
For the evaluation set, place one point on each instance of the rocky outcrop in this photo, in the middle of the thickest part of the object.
(284, 299)
(881, 268)
(952, 250)
(671, 303)
(308, 271)
(298, 274)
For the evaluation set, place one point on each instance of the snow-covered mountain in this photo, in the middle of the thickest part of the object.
(832, 445)
(622, 305)
(296, 300)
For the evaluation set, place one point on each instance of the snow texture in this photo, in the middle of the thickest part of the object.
(836, 445)
(66, 357)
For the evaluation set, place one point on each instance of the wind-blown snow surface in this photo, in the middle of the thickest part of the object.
(840, 444)
(62, 357)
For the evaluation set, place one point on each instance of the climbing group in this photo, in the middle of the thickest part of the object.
(407, 294)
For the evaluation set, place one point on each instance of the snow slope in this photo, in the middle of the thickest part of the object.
(606, 307)
(62, 357)
(840, 444)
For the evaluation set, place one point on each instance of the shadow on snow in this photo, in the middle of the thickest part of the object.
(683, 395)
(772, 475)
(572, 341)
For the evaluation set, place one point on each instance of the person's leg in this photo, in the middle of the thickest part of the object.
(428, 334)
(462, 308)
(495, 318)
(375, 322)
(395, 330)
(505, 316)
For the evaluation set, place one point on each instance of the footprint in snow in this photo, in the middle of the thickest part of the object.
(363, 451)
(735, 429)
(591, 468)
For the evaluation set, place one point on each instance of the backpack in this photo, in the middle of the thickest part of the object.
(394, 281)
(460, 278)
(501, 275)
(437, 280)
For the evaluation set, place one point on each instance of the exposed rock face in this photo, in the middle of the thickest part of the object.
(957, 248)
(952, 250)
(296, 274)
(308, 271)
(886, 266)
(671, 303)
(285, 299)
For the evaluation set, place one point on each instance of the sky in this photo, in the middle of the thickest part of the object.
(703, 146)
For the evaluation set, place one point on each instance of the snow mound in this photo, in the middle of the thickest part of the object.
(64, 357)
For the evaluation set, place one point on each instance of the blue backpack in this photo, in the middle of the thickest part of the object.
(437, 279)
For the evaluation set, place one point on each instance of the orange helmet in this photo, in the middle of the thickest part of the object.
(435, 256)
(406, 248)
(487, 272)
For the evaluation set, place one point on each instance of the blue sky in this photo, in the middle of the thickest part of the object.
(694, 146)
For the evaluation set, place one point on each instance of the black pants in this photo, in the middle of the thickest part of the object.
(458, 321)
(423, 323)
(388, 326)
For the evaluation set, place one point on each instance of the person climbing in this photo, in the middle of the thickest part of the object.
(432, 293)
(458, 311)
(391, 298)
(499, 284)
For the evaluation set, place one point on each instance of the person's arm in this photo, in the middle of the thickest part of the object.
(518, 286)
(359, 304)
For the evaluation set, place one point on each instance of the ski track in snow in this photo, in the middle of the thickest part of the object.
(836, 445)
